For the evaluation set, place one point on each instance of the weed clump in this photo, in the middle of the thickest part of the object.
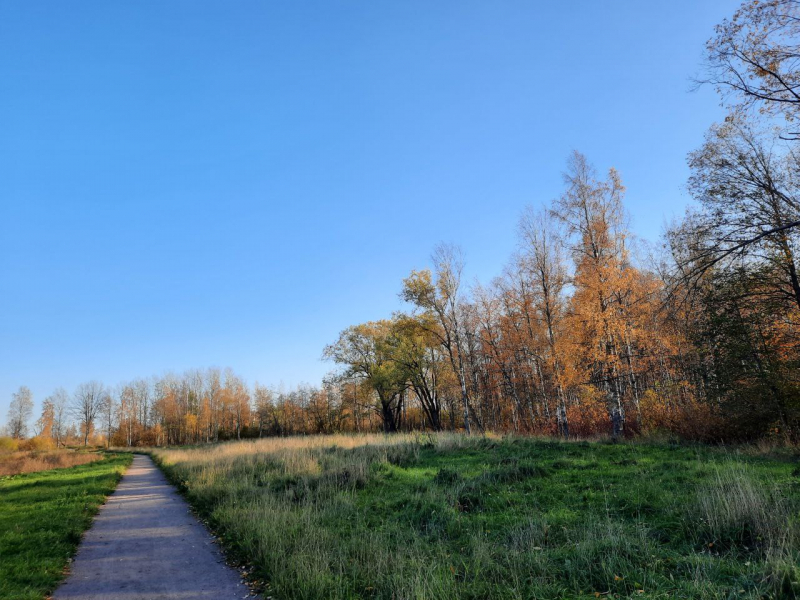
(517, 473)
(446, 477)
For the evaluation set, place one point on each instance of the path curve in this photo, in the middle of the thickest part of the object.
(145, 544)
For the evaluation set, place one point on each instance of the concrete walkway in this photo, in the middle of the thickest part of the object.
(145, 545)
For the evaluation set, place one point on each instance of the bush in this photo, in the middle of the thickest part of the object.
(37, 444)
(8, 445)
(689, 419)
(590, 417)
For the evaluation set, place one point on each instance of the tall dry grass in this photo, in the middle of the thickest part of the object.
(740, 513)
(736, 509)
(299, 456)
(296, 445)
(16, 463)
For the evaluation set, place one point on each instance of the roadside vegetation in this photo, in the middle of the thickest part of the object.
(42, 518)
(450, 516)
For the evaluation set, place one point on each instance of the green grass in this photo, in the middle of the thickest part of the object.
(42, 518)
(452, 517)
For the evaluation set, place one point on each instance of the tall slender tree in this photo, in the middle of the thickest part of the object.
(19, 412)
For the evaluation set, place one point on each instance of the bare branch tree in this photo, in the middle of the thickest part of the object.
(754, 58)
(87, 403)
(19, 412)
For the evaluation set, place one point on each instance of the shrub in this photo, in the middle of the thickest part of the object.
(37, 444)
(590, 417)
(8, 445)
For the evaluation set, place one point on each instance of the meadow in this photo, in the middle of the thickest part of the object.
(449, 516)
(42, 518)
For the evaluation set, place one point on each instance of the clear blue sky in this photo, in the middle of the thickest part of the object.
(188, 184)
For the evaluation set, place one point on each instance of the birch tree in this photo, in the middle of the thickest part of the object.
(19, 412)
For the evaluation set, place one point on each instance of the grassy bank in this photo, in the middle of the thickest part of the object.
(42, 518)
(455, 517)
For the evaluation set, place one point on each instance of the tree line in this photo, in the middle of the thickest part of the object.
(582, 334)
(199, 406)
(585, 331)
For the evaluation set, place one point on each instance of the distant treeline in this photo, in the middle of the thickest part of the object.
(585, 331)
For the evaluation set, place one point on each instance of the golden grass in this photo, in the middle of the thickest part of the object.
(295, 452)
(16, 463)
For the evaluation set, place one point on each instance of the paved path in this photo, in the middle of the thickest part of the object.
(146, 545)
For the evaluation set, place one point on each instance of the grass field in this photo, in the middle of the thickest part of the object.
(42, 518)
(455, 517)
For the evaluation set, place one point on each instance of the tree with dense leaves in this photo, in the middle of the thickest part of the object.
(366, 352)
(44, 424)
(596, 226)
(417, 352)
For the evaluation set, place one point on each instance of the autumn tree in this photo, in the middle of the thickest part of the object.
(142, 400)
(264, 406)
(238, 399)
(441, 297)
(44, 424)
(735, 277)
(755, 353)
(212, 396)
(365, 352)
(59, 401)
(498, 365)
(542, 265)
(416, 350)
(592, 213)
(128, 412)
(108, 413)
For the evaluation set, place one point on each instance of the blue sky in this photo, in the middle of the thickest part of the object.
(190, 184)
